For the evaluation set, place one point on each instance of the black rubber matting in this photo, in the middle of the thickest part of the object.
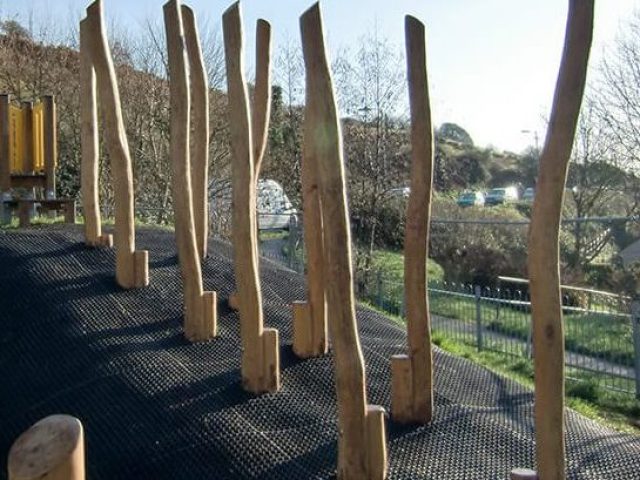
(157, 407)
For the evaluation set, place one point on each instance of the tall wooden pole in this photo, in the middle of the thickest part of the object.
(412, 387)
(260, 354)
(131, 265)
(259, 113)
(310, 337)
(361, 443)
(200, 307)
(52, 449)
(262, 94)
(89, 172)
(544, 271)
(199, 148)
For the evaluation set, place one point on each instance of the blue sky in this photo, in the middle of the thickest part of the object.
(492, 63)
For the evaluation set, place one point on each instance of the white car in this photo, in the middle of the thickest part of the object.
(275, 211)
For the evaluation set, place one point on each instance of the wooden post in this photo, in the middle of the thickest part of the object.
(199, 148)
(260, 112)
(29, 151)
(52, 449)
(196, 304)
(89, 143)
(117, 146)
(261, 95)
(523, 474)
(5, 163)
(361, 443)
(412, 392)
(260, 368)
(310, 338)
(50, 144)
(544, 271)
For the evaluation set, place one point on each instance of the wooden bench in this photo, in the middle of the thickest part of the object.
(68, 206)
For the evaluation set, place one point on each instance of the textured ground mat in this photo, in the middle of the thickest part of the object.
(157, 407)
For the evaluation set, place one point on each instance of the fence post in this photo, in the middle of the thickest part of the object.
(293, 234)
(635, 320)
(478, 295)
(379, 287)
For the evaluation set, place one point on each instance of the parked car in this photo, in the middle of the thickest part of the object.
(469, 199)
(497, 196)
(528, 195)
(401, 192)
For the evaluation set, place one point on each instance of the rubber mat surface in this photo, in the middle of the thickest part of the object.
(157, 407)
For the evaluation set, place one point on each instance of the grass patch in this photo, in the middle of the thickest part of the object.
(617, 410)
(273, 234)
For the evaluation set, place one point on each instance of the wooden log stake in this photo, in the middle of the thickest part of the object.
(5, 163)
(316, 313)
(117, 146)
(197, 326)
(523, 474)
(50, 124)
(259, 351)
(89, 173)
(106, 240)
(361, 443)
(302, 334)
(544, 271)
(52, 449)
(261, 95)
(412, 392)
(199, 148)
(260, 112)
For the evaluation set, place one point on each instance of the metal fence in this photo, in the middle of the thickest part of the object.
(602, 337)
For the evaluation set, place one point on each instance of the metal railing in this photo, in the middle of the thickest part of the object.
(602, 342)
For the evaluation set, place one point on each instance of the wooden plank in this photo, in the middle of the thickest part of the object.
(199, 147)
(52, 449)
(416, 238)
(5, 165)
(116, 142)
(196, 326)
(29, 150)
(356, 457)
(89, 173)
(543, 264)
(256, 377)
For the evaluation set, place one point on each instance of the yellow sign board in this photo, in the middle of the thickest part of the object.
(18, 139)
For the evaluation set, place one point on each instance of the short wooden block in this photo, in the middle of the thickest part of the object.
(523, 474)
(106, 240)
(141, 267)
(401, 389)
(302, 334)
(376, 442)
(52, 449)
(271, 356)
(210, 313)
(233, 301)
(70, 212)
(24, 214)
